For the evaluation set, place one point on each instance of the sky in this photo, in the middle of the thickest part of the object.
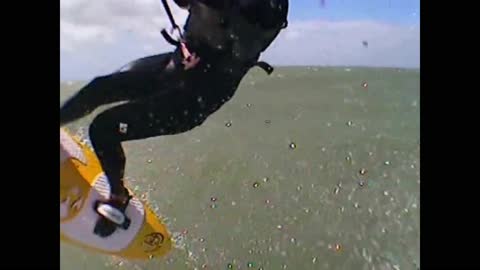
(98, 37)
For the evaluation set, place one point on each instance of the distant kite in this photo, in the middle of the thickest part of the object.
(365, 43)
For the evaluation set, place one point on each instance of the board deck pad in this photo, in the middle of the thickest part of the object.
(82, 183)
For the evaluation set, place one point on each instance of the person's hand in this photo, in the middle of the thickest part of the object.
(191, 61)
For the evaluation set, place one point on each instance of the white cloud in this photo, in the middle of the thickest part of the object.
(84, 23)
(98, 36)
(340, 43)
(73, 35)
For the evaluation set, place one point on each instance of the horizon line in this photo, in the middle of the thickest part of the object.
(290, 66)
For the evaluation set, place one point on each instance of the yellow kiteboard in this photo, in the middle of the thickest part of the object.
(82, 183)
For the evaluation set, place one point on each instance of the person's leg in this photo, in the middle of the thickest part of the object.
(141, 78)
(168, 114)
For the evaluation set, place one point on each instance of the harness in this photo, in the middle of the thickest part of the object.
(178, 43)
(181, 42)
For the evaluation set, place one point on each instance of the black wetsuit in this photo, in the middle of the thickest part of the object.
(161, 97)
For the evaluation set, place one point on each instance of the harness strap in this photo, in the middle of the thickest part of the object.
(178, 43)
(265, 66)
(170, 16)
(169, 38)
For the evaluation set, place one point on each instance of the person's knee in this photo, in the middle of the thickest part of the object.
(192, 126)
(196, 121)
(177, 125)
